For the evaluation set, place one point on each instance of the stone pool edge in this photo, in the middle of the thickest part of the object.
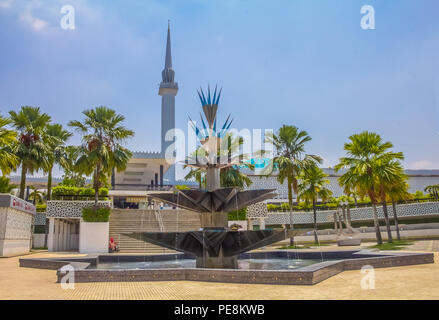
(308, 275)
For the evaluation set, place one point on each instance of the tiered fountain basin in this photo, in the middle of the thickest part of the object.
(262, 267)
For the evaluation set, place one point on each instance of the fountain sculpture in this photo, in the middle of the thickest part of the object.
(214, 246)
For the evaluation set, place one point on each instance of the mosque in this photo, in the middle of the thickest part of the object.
(149, 172)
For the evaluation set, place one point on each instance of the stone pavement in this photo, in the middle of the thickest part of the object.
(412, 282)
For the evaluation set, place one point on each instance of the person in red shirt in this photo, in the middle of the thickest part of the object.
(113, 247)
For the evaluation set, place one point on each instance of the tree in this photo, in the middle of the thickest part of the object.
(5, 185)
(365, 152)
(57, 138)
(71, 177)
(32, 147)
(388, 172)
(36, 195)
(230, 176)
(233, 177)
(398, 192)
(290, 159)
(101, 150)
(197, 175)
(343, 202)
(312, 187)
(8, 138)
(433, 190)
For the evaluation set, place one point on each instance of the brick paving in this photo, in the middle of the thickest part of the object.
(412, 282)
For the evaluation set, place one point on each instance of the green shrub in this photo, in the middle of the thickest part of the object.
(41, 207)
(96, 214)
(272, 207)
(238, 215)
(59, 192)
(86, 192)
(5, 185)
(64, 191)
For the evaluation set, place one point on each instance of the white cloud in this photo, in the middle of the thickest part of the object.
(36, 23)
(422, 164)
(6, 4)
(27, 17)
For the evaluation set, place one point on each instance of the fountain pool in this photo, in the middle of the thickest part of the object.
(244, 264)
(264, 267)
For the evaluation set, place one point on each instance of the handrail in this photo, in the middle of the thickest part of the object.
(158, 216)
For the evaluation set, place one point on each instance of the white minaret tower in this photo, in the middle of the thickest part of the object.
(168, 90)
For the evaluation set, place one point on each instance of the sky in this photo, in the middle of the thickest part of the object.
(306, 63)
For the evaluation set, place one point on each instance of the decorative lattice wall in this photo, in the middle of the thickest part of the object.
(357, 214)
(69, 209)
(257, 210)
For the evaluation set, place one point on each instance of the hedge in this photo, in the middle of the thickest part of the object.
(41, 207)
(238, 215)
(96, 214)
(59, 192)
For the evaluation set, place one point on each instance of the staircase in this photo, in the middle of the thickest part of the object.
(126, 221)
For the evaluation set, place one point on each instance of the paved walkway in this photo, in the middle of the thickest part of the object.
(412, 282)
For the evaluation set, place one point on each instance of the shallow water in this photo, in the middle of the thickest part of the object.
(245, 264)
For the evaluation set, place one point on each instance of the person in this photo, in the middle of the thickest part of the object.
(113, 247)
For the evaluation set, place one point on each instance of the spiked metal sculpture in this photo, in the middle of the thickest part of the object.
(214, 246)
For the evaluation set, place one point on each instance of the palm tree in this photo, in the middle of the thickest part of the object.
(398, 192)
(433, 190)
(197, 175)
(365, 152)
(71, 177)
(343, 201)
(8, 138)
(36, 195)
(233, 177)
(229, 176)
(388, 174)
(313, 187)
(290, 159)
(57, 138)
(32, 146)
(101, 150)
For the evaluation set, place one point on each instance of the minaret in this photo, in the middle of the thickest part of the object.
(168, 90)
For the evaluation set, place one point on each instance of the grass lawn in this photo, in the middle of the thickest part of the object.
(304, 246)
(395, 245)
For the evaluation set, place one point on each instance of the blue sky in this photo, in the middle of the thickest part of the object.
(301, 62)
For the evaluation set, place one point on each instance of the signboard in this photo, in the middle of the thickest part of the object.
(22, 205)
(136, 199)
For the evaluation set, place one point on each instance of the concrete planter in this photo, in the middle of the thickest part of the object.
(94, 237)
(349, 242)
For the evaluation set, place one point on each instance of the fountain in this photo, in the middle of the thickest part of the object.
(214, 246)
